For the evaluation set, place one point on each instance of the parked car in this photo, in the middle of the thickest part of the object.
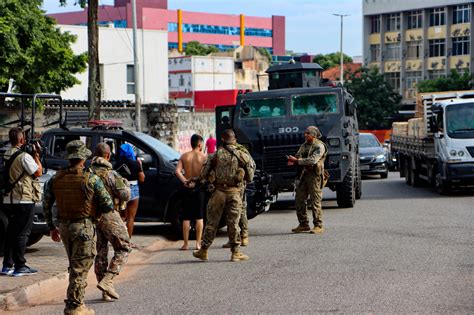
(373, 157)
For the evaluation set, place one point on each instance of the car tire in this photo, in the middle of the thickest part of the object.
(345, 191)
(34, 238)
(442, 187)
(384, 175)
(358, 184)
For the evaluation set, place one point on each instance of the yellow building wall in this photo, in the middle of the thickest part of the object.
(436, 63)
(392, 66)
(437, 32)
(414, 65)
(459, 61)
(374, 39)
(459, 30)
(413, 35)
(374, 64)
(391, 37)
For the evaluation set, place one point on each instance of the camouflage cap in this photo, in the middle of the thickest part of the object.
(76, 149)
(314, 131)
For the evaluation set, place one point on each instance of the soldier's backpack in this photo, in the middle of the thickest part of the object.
(5, 185)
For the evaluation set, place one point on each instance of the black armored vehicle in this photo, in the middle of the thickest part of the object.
(271, 124)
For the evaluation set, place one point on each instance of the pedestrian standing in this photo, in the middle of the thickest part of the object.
(81, 198)
(227, 170)
(19, 204)
(188, 171)
(211, 144)
(310, 160)
(130, 168)
(110, 227)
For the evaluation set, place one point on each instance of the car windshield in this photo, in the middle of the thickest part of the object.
(314, 104)
(167, 152)
(368, 141)
(460, 120)
(262, 108)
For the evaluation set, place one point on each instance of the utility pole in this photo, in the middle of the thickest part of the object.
(342, 54)
(136, 75)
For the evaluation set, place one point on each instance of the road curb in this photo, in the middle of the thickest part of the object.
(49, 289)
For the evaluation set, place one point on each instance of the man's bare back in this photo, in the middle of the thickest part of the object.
(192, 162)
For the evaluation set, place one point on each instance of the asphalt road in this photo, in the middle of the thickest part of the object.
(400, 250)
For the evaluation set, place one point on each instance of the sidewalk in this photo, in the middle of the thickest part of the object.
(50, 259)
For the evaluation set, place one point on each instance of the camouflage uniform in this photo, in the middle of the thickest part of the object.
(228, 177)
(76, 228)
(110, 227)
(311, 158)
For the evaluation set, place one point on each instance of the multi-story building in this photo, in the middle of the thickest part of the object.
(411, 41)
(201, 82)
(225, 31)
(117, 74)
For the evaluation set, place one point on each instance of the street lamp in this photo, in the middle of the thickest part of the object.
(342, 54)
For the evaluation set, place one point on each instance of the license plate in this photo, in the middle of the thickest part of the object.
(364, 167)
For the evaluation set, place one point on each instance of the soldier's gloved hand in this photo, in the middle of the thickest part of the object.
(55, 236)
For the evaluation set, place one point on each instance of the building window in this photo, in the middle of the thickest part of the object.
(393, 22)
(437, 17)
(393, 78)
(222, 30)
(436, 74)
(414, 50)
(462, 71)
(375, 24)
(437, 47)
(415, 19)
(412, 78)
(181, 80)
(374, 53)
(462, 14)
(461, 46)
(393, 51)
(130, 79)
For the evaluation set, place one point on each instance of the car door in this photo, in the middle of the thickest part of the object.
(56, 155)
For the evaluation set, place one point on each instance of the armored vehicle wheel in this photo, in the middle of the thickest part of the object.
(345, 191)
(358, 184)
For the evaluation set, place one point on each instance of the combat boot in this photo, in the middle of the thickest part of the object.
(238, 256)
(201, 254)
(301, 228)
(106, 285)
(317, 230)
(244, 241)
(80, 310)
(106, 297)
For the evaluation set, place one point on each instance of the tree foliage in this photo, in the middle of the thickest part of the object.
(331, 60)
(376, 100)
(195, 48)
(266, 53)
(33, 51)
(453, 82)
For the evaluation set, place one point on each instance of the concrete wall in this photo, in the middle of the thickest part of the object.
(115, 53)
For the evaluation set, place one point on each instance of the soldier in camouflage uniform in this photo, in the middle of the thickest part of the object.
(227, 170)
(110, 227)
(310, 158)
(243, 222)
(80, 196)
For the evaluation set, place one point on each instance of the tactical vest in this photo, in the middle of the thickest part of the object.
(103, 172)
(227, 169)
(73, 197)
(28, 187)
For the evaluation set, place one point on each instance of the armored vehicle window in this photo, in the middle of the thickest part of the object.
(314, 104)
(60, 141)
(268, 107)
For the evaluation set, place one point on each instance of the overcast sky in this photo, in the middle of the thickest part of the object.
(310, 25)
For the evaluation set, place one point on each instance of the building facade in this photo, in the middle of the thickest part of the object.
(201, 82)
(411, 41)
(225, 31)
(117, 67)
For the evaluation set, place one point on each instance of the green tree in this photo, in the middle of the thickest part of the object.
(195, 48)
(376, 100)
(331, 60)
(266, 53)
(34, 52)
(93, 95)
(453, 82)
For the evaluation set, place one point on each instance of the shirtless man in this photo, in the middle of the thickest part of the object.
(188, 171)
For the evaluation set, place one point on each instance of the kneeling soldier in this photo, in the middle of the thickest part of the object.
(78, 194)
(110, 227)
